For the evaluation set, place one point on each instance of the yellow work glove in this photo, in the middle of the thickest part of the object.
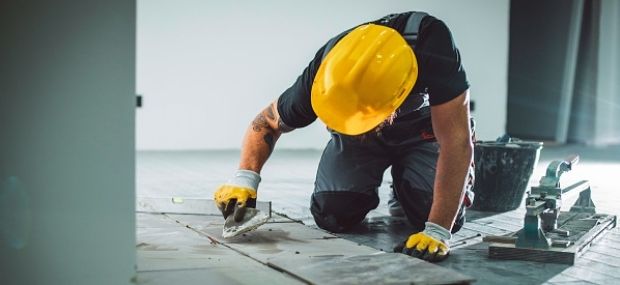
(430, 245)
(237, 194)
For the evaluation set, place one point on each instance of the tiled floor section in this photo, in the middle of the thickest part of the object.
(288, 181)
(280, 252)
(170, 253)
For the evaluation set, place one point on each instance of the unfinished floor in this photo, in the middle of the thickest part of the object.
(186, 249)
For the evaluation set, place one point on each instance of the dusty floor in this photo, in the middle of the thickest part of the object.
(288, 182)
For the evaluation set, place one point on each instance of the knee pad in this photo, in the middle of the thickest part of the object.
(339, 211)
(329, 223)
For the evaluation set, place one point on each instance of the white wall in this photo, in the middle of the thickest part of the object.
(206, 68)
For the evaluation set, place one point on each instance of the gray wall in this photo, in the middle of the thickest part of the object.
(582, 119)
(559, 96)
(67, 85)
(539, 37)
(608, 80)
(206, 68)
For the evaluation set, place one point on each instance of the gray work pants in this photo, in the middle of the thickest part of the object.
(351, 170)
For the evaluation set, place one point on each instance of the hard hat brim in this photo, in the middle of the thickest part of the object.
(352, 98)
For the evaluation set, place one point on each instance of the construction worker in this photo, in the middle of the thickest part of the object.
(392, 92)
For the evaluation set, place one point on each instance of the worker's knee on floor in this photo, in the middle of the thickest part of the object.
(331, 223)
(340, 211)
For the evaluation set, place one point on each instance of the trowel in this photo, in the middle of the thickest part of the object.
(252, 219)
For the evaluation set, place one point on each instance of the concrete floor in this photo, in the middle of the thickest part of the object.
(288, 180)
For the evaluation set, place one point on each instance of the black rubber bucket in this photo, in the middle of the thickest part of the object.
(503, 170)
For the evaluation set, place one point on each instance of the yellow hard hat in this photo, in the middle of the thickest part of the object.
(364, 78)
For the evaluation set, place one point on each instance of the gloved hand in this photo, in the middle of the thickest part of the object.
(430, 245)
(238, 193)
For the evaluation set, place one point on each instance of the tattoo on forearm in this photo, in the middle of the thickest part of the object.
(260, 123)
(270, 141)
(284, 127)
(270, 114)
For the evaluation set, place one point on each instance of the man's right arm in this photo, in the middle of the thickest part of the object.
(239, 193)
(260, 138)
(234, 196)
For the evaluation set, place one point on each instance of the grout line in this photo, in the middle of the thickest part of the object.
(172, 213)
(215, 241)
(572, 274)
(173, 269)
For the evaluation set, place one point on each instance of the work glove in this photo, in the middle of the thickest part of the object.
(430, 244)
(238, 193)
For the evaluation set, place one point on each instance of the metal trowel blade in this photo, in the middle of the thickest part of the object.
(252, 219)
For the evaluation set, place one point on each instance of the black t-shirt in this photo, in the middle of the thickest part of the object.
(441, 76)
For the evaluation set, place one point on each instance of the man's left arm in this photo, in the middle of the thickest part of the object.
(452, 130)
(453, 134)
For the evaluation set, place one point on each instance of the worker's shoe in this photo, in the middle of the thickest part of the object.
(394, 206)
